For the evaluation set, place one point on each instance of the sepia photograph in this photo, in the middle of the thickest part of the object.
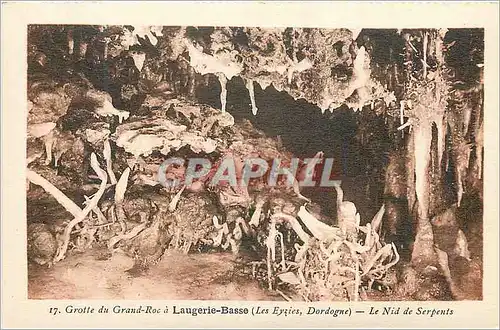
(250, 163)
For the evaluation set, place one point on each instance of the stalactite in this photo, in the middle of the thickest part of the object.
(422, 144)
(410, 170)
(139, 59)
(223, 92)
(82, 49)
(479, 151)
(71, 42)
(466, 113)
(427, 92)
(249, 86)
(441, 90)
(191, 91)
(441, 138)
(460, 187)
(425, 55)
(106, 49)
(478, 131)
(423, 253)
(461, 151)
(361, 71)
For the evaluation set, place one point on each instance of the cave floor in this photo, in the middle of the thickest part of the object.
(198, 276)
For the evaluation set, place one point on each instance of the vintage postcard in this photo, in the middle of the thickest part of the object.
(250, 164)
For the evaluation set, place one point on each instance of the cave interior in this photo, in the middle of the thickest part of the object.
(400, 112)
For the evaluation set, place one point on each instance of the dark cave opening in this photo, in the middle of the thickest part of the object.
(304, 130)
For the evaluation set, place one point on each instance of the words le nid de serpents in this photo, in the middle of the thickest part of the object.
(311, 311)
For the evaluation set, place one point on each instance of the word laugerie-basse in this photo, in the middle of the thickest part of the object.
(309, 172)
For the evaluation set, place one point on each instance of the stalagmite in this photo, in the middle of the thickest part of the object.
(65, 202)
(254, 221)
(377, 219)
(175, 200)
(121, 186)
(319, 229)
(295, 225)
(48, 141)
(46, 132)
(346, 212)
(61, 253)
(120, 189)
(126, 236)
(461, 246)
(456, 291)
(109, 164)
